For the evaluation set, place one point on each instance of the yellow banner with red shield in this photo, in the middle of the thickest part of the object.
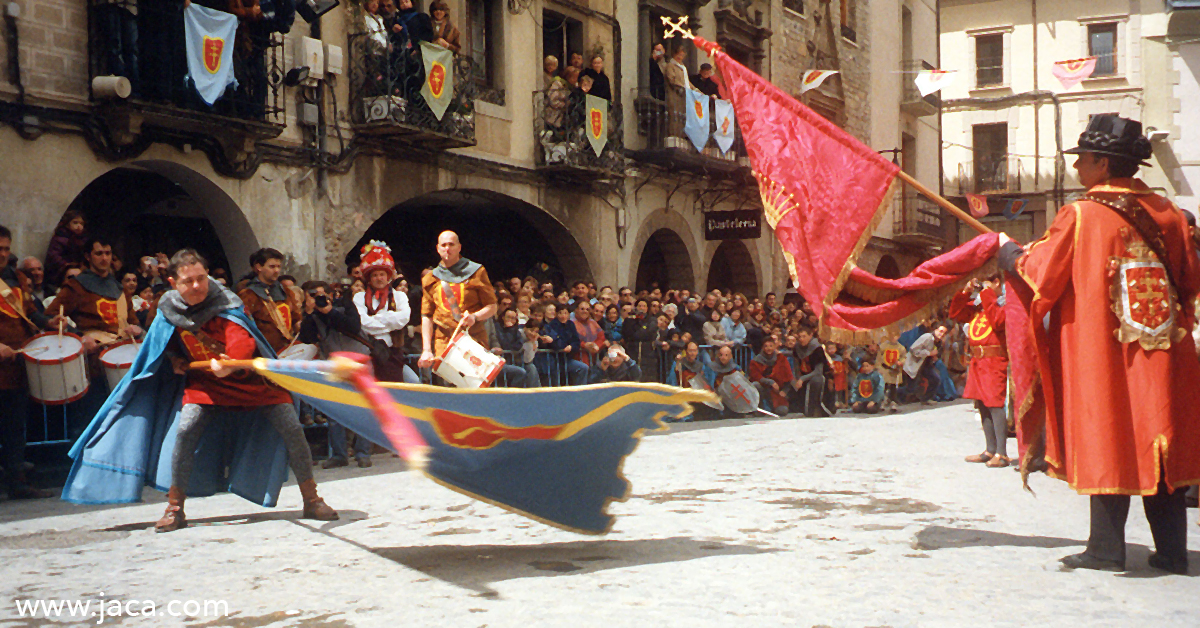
(438, 88)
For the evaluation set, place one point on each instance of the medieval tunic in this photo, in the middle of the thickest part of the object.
(1118, 368)
(868, 389)
(772, 368)
(450, 293)
(987, 375)
(93, 302)
(242, 389)
(890, 361)
(275, 311)
(14, 330)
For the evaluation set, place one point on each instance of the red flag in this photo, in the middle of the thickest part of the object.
(978, 204)
(823, 191)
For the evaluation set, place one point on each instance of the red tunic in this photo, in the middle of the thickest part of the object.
(987, 377)
(241, 389)
(780, 373)
(1117, 366)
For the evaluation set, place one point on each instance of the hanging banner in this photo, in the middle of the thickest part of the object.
(1014, 208)
(209, 34)
(438, 88)
(723, 114)
(979, 205)
(930, 81)
(597, 122)
(813, 79)
(739, 224)
(1070, 73)
(696, 125)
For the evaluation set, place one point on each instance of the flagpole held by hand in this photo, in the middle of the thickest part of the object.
(943, 203)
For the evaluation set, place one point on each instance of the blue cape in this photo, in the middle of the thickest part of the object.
(131, 440)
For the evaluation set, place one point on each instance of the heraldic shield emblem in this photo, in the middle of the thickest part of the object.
(737, 393)
(213, 47)
(1143, 299)
(597, 123)
(437, 79)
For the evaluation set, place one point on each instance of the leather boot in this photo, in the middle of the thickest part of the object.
(20, 488)
(314, 506)
(173, 519)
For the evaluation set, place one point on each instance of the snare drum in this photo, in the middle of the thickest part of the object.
(56, 368)
(466, 363)
(299, 351)
(117, 361)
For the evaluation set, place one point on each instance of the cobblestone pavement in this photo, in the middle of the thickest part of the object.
(849, 521)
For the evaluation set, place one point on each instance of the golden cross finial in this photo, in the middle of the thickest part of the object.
(678, 26)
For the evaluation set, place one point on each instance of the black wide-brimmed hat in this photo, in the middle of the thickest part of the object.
(1110, 134)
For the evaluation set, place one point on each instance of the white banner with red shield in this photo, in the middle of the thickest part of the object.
(596, 122)
(438, 88)
(209, 38)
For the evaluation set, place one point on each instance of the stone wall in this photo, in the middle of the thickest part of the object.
(53, 55)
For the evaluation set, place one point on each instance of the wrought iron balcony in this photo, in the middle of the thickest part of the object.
(561, 126)
(144, 42)
(917, 220)
(913, 103)
(666, 145)
(990, 175)
(386, 100)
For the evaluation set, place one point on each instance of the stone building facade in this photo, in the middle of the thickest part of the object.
(316, 169)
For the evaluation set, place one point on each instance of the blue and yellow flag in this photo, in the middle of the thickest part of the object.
(551, 454)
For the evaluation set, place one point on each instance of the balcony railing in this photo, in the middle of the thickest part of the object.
(913, 102)
(560, 128)
(917, 220)
(144, 42)
(666, 144)
(990, 175)
(385, 96)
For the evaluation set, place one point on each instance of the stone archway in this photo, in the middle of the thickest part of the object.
(888, 268)
(510, 237)
(664, 261)
(155, 206)
(732, 268)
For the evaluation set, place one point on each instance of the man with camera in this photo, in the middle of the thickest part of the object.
(331, 328)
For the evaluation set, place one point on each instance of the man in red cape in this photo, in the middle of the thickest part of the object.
(987, 375)
(1117, 275)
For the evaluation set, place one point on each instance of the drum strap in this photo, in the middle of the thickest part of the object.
(451, 301)
(212, 345)
(1127, 207)
(277, 318)
(122, 316)
(13, 298)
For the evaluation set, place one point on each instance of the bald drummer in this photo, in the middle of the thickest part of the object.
(457, 290)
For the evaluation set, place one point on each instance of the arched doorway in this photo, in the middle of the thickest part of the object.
(159, 206)
(665, 261)
(887, 268)
(732, 268)
(508, 236)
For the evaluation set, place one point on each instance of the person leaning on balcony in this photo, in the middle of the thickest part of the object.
(677, 81)
(445, 34)
(600, 84)
(658, 61)
(549, 71)
(704, 82)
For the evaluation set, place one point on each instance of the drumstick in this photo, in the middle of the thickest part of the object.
(60, 325)
(206, 365)
(33, 351)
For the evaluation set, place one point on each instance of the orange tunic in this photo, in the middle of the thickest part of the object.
(1119, 401)
(14, 332)
(471, 295)
(987, 376)
(91, 311)
(289, 309)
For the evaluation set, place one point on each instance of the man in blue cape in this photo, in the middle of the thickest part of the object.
(194, 432)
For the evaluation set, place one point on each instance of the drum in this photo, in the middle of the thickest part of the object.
(466, 363)
(56, 368)
(299, 351)
(117, 361)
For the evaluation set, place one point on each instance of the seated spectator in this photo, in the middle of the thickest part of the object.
(601, 87)
(565, 340)
(735, 331)
(867, 396)
(445, 34)
(67, 248)
(612, 324)
(812, 392)
(616, 366)
(688, 367)
(771, 375)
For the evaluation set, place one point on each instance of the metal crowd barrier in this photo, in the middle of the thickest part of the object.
(742, 354)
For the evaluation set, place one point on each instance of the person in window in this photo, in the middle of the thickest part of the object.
(601, 87)
(549, 71)
(676, 75)
(445, 34)
(658, 83)
(575, 61)
(704, 83)
(410, 28)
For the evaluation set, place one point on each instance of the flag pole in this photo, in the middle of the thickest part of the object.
(943, 203)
